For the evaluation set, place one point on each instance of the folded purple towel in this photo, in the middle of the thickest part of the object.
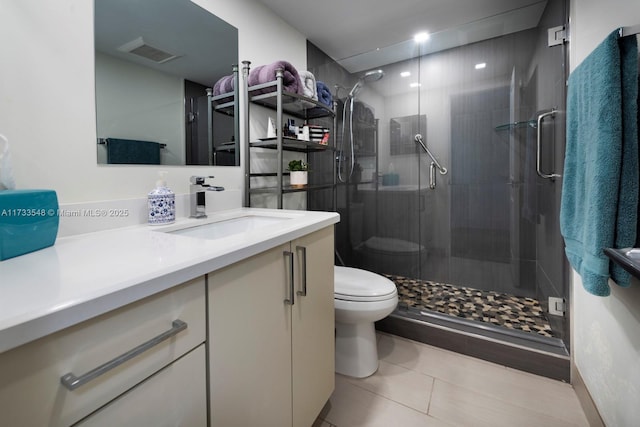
(224, 85)
(267, 73)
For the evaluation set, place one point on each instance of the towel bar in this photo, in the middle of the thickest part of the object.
(103, 141)
(629, 31)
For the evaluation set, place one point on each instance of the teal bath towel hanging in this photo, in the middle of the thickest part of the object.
(600, 184)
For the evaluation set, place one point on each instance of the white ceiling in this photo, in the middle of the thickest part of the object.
(363, 34)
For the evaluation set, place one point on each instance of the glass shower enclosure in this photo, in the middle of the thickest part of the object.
(450, 174)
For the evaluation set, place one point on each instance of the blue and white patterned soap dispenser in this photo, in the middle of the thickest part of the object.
(162, 203)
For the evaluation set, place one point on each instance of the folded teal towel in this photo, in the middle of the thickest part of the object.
(600, 184)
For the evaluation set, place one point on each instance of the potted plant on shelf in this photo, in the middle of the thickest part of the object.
(298, 173)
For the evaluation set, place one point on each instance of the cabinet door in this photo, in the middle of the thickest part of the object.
(313, 326)
(250, 347)
(173, 397)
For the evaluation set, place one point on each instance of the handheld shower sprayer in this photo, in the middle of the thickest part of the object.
(368, 77)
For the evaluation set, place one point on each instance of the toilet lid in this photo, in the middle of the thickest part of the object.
(355, 284)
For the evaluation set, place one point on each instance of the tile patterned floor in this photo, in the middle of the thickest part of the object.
(524, 314)
(420, 385)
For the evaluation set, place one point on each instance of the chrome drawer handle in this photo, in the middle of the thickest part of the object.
(71, 382)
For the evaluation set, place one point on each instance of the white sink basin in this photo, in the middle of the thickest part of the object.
(229, 227)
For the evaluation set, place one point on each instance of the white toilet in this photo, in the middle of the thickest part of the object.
(361, 298)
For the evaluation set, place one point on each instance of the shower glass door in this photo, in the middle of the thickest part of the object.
(463, 225)
(487, 231)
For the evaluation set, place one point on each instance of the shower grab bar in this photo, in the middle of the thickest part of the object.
(541, 117)
(441, 169)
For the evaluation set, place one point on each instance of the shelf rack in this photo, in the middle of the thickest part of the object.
(272, 95)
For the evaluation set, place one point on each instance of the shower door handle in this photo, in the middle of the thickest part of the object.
(538, 146)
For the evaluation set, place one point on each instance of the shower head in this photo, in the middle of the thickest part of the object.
(372, 76)
(369, 76)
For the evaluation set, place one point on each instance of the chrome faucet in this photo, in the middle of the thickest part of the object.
(197, 195)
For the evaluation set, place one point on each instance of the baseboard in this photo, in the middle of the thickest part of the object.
(584, 397)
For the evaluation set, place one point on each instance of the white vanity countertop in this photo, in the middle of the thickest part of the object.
(83, 276)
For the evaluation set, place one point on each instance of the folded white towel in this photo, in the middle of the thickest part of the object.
(7, 181)
(308, 83)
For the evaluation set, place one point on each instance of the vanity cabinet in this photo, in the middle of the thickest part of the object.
(271, 335)
(32, 392)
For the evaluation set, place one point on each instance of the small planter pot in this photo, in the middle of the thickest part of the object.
(298, 178)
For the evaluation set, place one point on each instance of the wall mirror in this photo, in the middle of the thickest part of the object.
(154, 60)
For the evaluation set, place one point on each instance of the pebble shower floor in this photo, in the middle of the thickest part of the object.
(520, 313)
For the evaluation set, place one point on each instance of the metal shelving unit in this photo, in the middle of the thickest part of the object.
(224, 104)
(272, 95)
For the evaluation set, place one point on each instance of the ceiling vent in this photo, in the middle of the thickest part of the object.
(141, 48)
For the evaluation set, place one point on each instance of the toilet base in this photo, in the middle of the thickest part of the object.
(356, 349)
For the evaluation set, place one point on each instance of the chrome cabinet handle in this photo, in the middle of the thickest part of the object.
(303, 250)
(539, 137)
(71, 382)
(291, 299)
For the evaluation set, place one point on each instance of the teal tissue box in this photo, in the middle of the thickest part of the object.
(28, 221)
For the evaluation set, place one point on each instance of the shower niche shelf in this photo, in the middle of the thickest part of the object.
(273, 96)
(516, 125)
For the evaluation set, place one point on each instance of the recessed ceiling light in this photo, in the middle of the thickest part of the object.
(421, 37)
(415, 84)
(405, 74)
(481, 65)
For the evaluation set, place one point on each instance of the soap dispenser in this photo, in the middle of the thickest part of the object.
(162, 203)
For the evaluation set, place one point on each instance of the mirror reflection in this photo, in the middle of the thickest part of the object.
(154, 60)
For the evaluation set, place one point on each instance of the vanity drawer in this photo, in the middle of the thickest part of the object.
(31, 391)
(176, 396)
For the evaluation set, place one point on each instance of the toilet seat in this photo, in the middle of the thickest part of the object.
(353, 284)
